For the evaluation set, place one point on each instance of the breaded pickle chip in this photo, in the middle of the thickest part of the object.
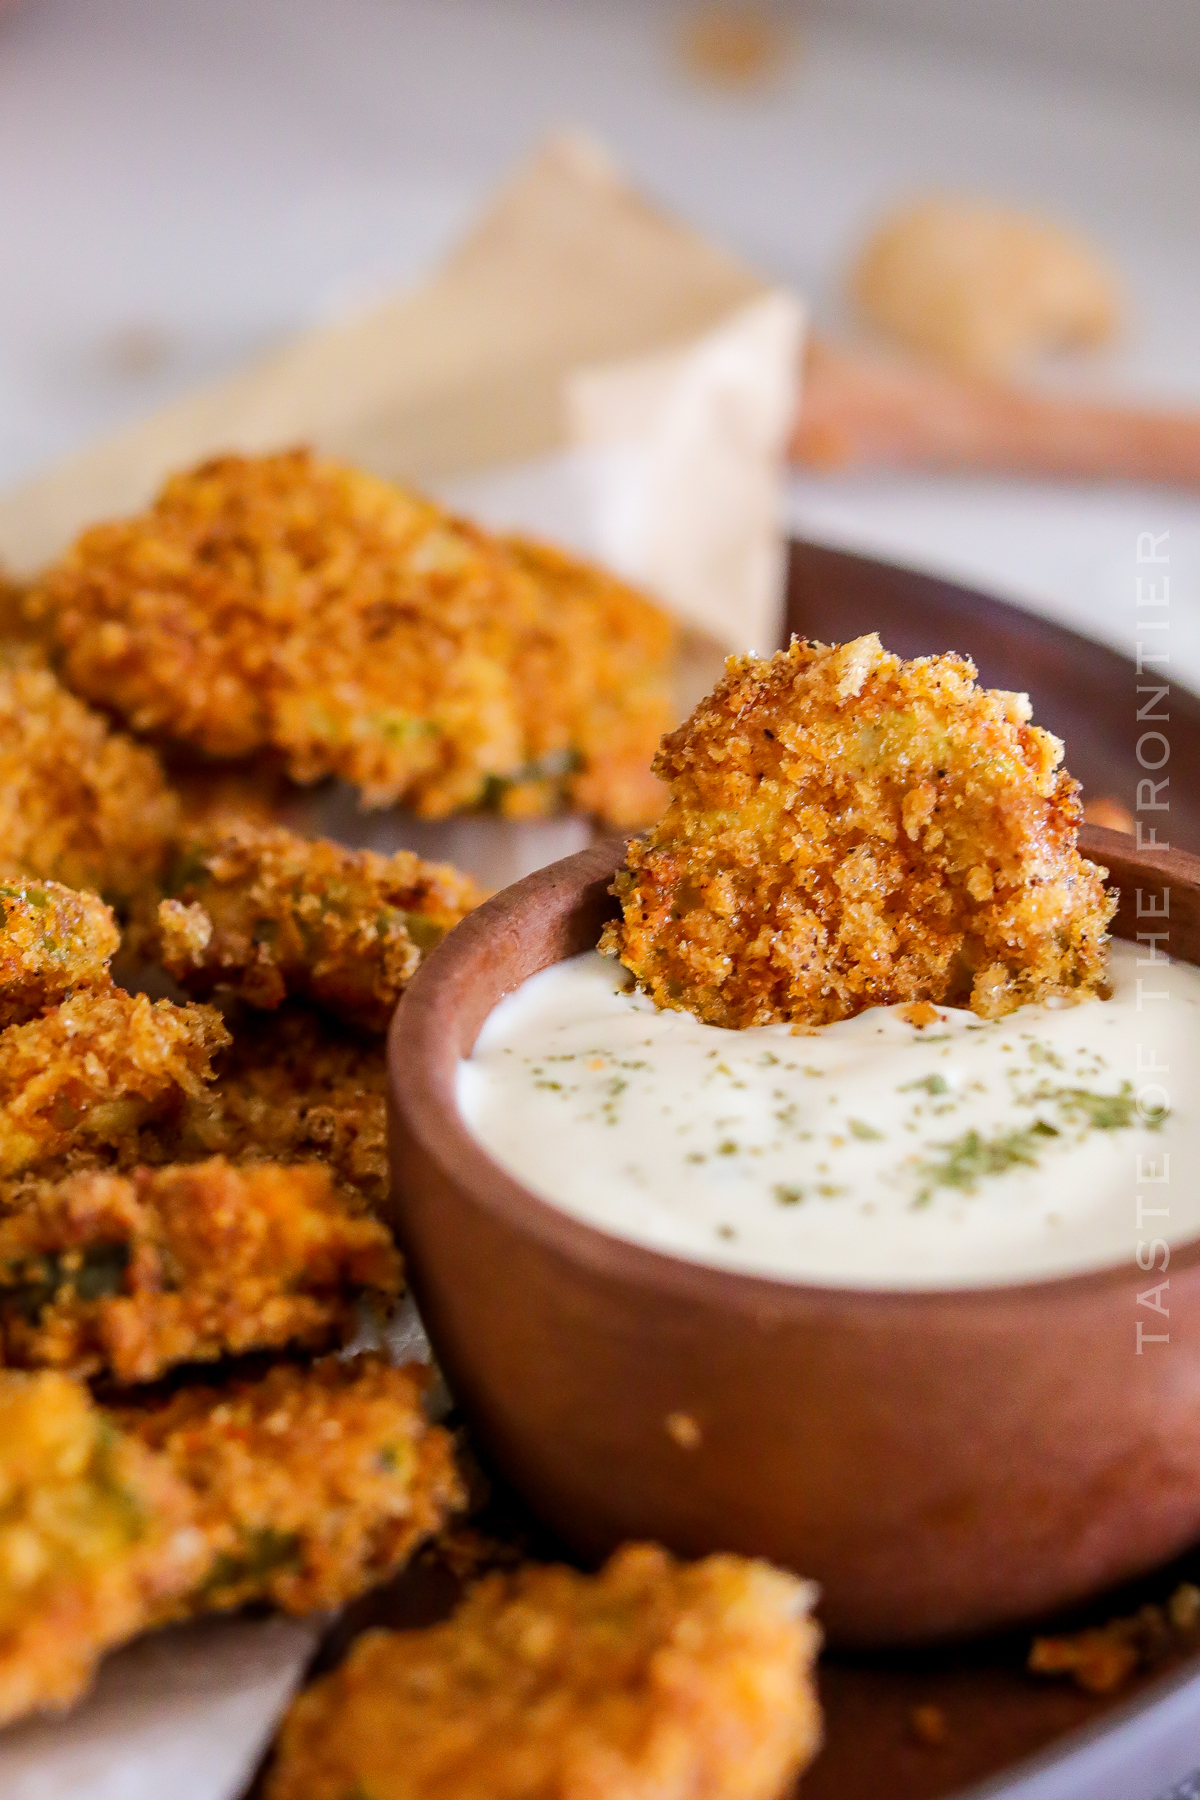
(595, 692)
(52, 942)
(285, 603)
(128, 1276)
(848, 830)
(269, 914)
(650, 1681)
(18, 634)
(91, 1071)
(96, 1538)
(79, 802)
(217, 797)
(311, 1484)
(294, 1086)
(289, 605)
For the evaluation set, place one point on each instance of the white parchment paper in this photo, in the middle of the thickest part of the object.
(183, 1715)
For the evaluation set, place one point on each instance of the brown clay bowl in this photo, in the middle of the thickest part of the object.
(941, 1462)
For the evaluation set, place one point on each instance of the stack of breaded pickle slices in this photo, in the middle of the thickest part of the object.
(192, 1226)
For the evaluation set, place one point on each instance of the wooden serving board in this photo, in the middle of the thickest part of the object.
(997, 1716)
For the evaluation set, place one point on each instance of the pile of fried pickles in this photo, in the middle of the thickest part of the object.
(193, 1187)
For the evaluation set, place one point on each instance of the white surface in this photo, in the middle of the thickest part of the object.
(186, 183)
(1142, 1751)
(184, 1715)
(816, 1158)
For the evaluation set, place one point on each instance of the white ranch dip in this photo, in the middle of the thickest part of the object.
(869, 1153)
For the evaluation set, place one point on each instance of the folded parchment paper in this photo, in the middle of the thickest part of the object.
(581, 366)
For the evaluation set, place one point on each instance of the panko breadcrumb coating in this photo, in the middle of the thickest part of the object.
(219, 796)
(848, 830)
(290, 605)
(311, 1484)
(270, 914)
(96, 1538)
(128, 1276)
(595, 693)
(293, 1087)
(653, 1680)
(52, 942)
(18, 633)
(88, 1073)
(285, 603)
(79, 803)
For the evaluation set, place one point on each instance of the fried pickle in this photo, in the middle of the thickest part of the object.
(128, 1276)
(220, 796)
(91, 1071)
(594, 684)
(18, 633)
(269, 914)
(79, 803)
(311, 1484)
(96, 1538)
(848, 830)
(654, 1679)
(292, 1087)
(288, 605)
(53, 941)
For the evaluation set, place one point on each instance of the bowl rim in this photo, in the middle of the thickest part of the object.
(422, 1061)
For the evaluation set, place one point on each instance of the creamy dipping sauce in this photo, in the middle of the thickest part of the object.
(870, 1153)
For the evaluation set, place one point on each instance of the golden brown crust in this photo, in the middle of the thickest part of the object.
(281, 602)
(311, 1484)
(128, 1276)
(222, 796)
(292, 1087)
(96, 1538)
(21, 638)
(79, 803)
(89, 1072)
(269, 914)
(53, 941)
(848, 830)
(650, 1681)
(289, 605)
(593, 681)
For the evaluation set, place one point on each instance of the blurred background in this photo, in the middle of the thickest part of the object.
(186, 183)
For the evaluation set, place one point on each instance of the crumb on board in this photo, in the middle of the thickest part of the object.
(929, 1726)
(1102, 1658)
(683, 1430)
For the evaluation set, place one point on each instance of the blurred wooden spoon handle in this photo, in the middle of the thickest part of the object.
(864, 412)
